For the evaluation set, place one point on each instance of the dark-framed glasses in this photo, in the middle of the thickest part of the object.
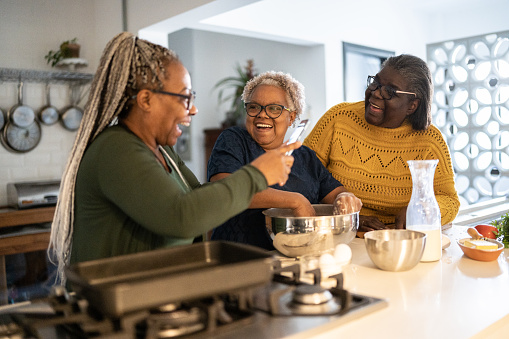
(387, 92)
(272, 110)
(189, 97)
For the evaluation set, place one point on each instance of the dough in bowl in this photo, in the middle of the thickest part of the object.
(298, 244)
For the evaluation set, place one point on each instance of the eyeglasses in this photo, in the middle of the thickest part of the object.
(272, 110)
(190, 97)
(387, 92)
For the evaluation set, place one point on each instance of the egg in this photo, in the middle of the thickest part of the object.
(342, 254)
(327, 259)
(328, 265)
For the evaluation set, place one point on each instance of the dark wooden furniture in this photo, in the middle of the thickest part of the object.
(22, 243)
(211, 136)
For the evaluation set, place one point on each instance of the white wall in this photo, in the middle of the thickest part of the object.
(210, 57)
(466, 21)
(28, 30)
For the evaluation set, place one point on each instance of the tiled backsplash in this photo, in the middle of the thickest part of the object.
(48, 159)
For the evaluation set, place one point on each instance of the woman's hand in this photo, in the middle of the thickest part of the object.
(275, 165)
(346, 203)
(367, 223)
(303, 208)
(400, 222)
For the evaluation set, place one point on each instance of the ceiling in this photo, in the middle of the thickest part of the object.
(316, 21)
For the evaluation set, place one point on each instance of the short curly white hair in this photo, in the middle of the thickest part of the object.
(294, 89)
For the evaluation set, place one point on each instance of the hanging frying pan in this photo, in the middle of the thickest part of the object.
(21, 115)
(20, 139)
(2, 119)
(72, 115)
(48, 114)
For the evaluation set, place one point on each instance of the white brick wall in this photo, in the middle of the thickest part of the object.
(48, 159)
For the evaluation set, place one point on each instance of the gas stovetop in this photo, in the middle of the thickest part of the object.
(282, 306)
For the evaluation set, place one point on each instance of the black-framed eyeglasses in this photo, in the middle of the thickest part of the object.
(387, 92)
(190, 97)
(274, 111)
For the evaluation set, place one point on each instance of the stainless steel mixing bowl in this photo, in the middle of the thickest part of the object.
(343, 227)
(298, 236)
(395, 250)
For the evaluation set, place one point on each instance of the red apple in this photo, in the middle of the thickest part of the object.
(487, 231)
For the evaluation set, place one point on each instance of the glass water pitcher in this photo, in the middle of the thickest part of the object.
(423, 212)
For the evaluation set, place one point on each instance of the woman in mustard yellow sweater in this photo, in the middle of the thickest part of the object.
(366, 145)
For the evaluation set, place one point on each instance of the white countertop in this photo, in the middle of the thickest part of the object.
(456, 297)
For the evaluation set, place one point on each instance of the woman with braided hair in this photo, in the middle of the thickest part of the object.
(124, 189)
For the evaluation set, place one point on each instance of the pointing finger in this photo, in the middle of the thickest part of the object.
(290, 147)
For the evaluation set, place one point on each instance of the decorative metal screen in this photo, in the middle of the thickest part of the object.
(471, 108)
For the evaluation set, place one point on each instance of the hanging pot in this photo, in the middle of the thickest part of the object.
(48, 114)
(72, 115)
(21, 115)
(20, 139)
(2, 119)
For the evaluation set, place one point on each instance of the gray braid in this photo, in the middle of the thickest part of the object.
(127, 65)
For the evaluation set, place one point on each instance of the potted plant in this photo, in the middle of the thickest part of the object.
(244, 74)
(68, 49)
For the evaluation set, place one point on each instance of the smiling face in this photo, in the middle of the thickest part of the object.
(171, 111)
(267, 132)
(389, 113)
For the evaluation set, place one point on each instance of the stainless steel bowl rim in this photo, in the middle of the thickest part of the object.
(277, 213)
(379, 234)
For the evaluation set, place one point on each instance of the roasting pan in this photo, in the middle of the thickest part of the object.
(119, 285)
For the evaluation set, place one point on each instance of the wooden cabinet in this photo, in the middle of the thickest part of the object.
(12, 217)
(211, 136)
(23, 243)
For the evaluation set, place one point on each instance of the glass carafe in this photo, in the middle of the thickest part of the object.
(423, 212)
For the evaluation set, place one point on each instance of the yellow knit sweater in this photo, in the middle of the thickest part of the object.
(371, 161)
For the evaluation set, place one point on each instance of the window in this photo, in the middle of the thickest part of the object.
(359, 62)
(471, 108)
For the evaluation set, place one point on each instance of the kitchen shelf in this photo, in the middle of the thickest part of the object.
(27, 242)
(15, 75)
(72, 64)
(13, 217)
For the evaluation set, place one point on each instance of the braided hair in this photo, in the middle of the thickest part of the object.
(127, 65)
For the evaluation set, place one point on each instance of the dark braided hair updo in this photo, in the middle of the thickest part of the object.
(127, 65)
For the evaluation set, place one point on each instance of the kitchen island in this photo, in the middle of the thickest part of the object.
(456, 297)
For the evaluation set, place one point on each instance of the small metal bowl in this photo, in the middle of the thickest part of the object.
(395, 250)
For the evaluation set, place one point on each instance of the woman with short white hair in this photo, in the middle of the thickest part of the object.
(273, 101)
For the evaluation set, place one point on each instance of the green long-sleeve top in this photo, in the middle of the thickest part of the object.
(126, 202)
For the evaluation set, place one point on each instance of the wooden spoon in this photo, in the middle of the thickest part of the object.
(475, 234)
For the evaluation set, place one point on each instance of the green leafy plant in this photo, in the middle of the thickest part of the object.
(237, 83)
(503, 229)
(53, 57)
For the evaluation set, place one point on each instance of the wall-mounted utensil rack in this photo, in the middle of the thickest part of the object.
(15, 75)
(27, 139)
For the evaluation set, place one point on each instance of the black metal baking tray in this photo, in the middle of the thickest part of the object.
(119, 285)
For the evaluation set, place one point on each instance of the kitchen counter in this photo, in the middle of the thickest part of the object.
(455, 297)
